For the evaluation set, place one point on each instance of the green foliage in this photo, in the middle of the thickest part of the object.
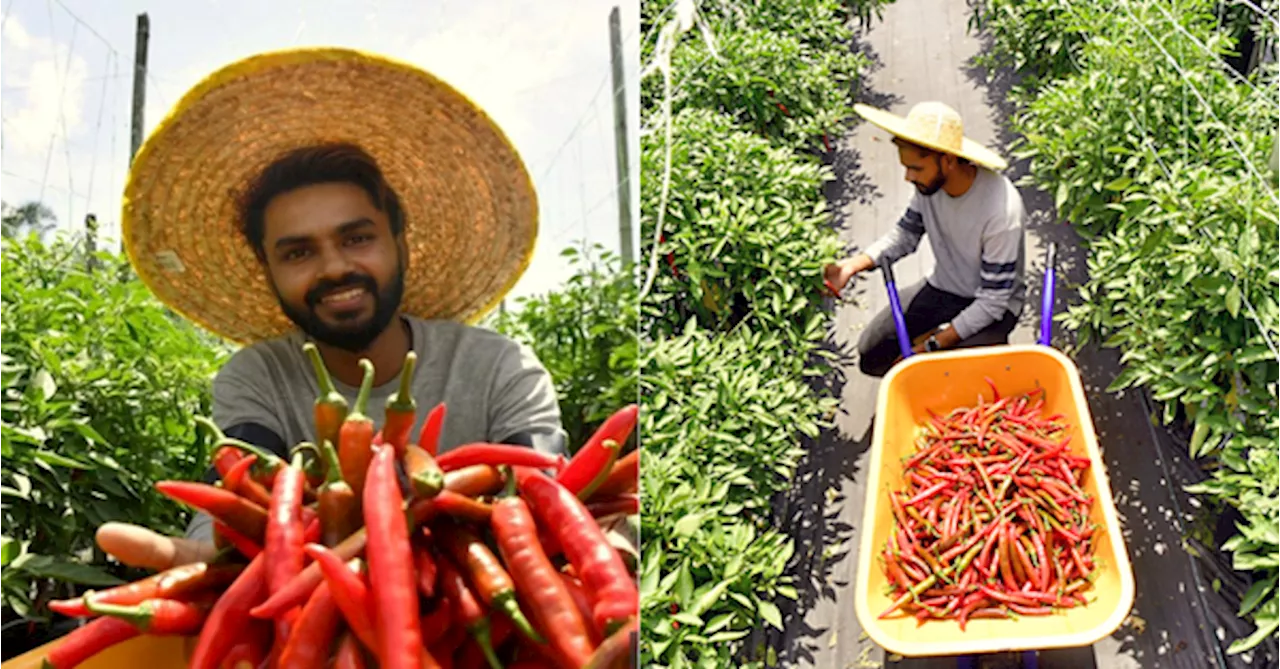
(1182, 226)
(100, 384)
(585, 335)
(733, 322)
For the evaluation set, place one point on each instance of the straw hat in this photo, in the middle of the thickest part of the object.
(936, 126)
(470, 209)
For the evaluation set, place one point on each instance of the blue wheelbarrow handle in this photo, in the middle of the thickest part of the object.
(1046, 302)
(899, 320)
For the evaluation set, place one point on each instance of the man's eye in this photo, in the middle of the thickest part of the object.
(359, 239)
(295, 254)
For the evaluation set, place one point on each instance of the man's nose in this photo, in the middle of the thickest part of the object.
(334, 263)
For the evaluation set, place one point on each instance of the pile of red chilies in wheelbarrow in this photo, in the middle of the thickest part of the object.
(347, 566)
(992, 522)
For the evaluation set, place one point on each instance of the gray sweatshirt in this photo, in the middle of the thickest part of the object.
(978, 246)
(493, 388)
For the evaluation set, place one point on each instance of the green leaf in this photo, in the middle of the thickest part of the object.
(9, 550)
(770, 613)
(1255, 595)
(43, 382)
(709, 598)
(70, 572)
(51, 458)
(1233, 300)
(688, 618)
(685, 527)
(1266, 627)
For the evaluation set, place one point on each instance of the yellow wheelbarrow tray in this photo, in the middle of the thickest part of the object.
(943, 381)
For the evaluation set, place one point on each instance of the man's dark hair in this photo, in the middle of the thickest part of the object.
(307, 166)
(932, 153)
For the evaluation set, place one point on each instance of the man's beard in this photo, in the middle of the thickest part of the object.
(354, 338)
(933, 186)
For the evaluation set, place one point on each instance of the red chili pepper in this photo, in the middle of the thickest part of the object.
(284, 535)
(424, 474)
(427, 571)
(604, 575)
(173, 583)
(84, 642)
(467, 608)
(355, 437)
(480, 453)
(623, 477)
(312, 635)
(160, 617)
(437, 622)
(229, 617)
(250, 651)
(582, 601)
(593, 462)
(485, 571)
(475, 656)
(268, 462)
(619, 646)
(452, 504)
(474, 481)
(390, 556)
(401, 409)
(628, 504)
(235, 511)
(299, 590)
(339, 506)
(349, 591)
(432, 427)
(246, 546)
(330, 405)
(538, 583)
(349, 654)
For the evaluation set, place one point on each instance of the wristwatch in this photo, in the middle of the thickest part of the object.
(932, 344)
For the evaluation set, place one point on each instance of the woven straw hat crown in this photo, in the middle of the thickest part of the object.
(936, 126)
(470, 212)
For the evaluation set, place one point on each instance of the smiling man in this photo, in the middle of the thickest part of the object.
(377, 222)
(973, 217)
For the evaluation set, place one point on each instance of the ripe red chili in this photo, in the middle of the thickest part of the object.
(432, 427)
(350, 592)
(337, 501)
(486, 573)
(312, 634)
(474, 481)
(538, 582)
(284, 534)
(229, 617)
(604, 575)
(593, 462)
(390, 556)
(84, 642)
(349, 654)
(480, 453)
(467, 608)
(173, 583)
(237, 512)
(623, 477)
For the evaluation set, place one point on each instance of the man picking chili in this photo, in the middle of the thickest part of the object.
(359, 205)
(973, 217)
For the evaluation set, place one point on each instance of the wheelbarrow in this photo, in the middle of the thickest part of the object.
(940, 382)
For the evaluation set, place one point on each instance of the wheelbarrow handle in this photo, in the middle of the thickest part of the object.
(1046, 296)
(895, 306)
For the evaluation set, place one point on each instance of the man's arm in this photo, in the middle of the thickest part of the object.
(902, 240)
(242, 413)
(523, 407)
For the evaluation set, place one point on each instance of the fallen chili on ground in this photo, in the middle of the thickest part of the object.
(992, 522)
(489, 556)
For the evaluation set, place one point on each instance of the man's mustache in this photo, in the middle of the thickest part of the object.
(347, 282)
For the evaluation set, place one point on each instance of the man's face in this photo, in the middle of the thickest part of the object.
(333, 263)
(924, 169)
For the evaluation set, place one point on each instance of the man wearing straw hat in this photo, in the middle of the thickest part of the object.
(973, 217)
(332, 196)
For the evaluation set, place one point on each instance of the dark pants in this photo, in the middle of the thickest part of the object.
(926, 308)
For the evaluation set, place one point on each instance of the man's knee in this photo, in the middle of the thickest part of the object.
(874, 362)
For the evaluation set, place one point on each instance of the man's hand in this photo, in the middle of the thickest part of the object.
(138, 546)
(837, 274)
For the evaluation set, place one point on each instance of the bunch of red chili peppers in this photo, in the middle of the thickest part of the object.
(376, 552)
(993, 522)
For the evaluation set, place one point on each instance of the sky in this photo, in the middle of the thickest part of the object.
(541, 70)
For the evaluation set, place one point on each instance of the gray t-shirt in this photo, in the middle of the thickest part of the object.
(978, 246)
(494, 388)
